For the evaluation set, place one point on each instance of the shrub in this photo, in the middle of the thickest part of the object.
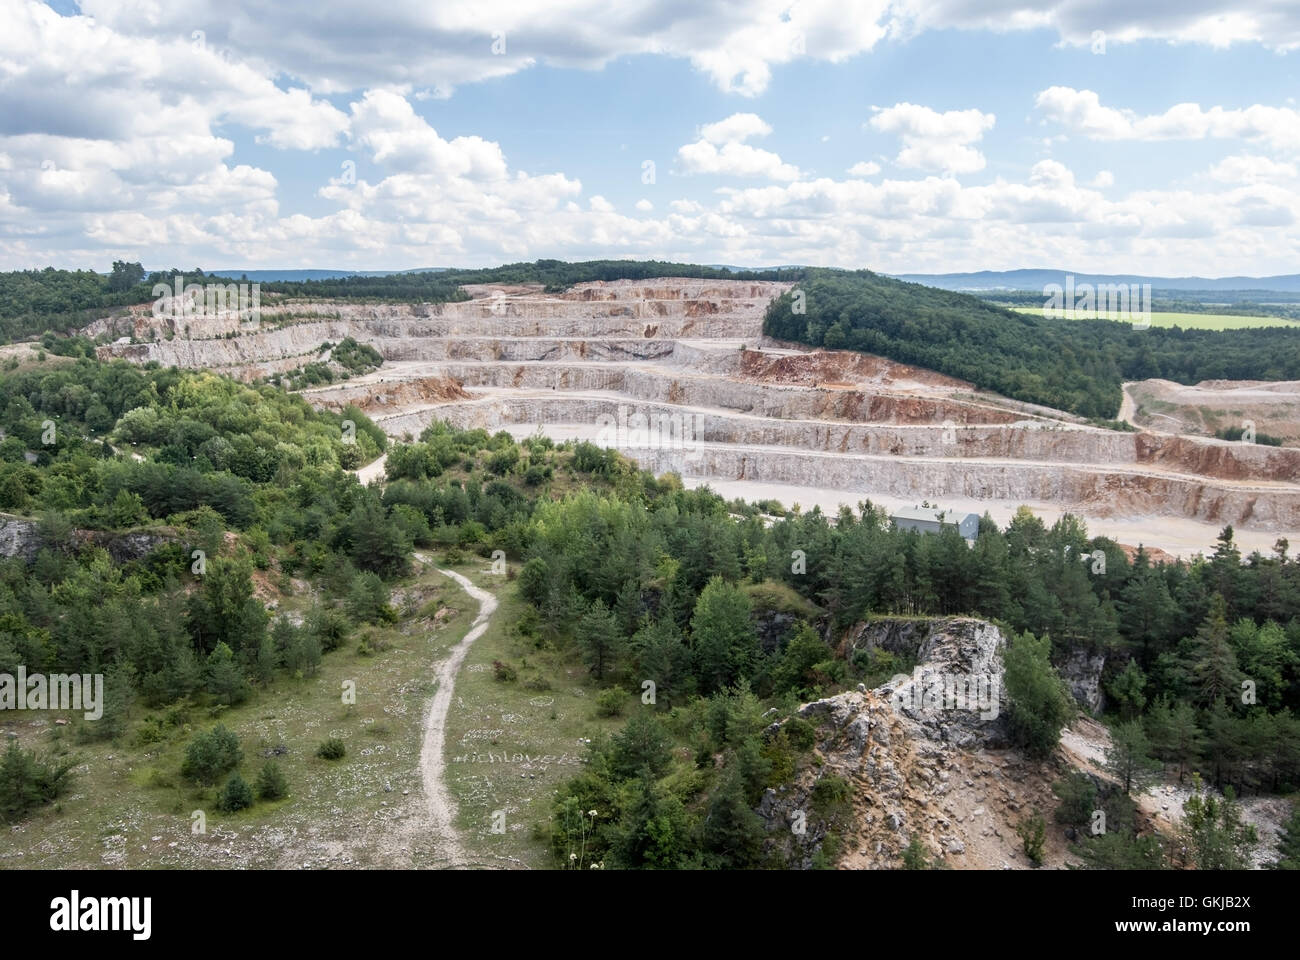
(211, 754)
(914, 857)
(504, 671)
(830, 795)
(28, 781)
(332, 749)
(271, 784)
(1078, 795)
(801, 733)
(1032, 831)
(610, 703)
(236, 795)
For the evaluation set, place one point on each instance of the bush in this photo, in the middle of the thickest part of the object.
(801, 733)
(1078, 795)
(610, 703)
(211, 754)
(504, 672)
(28, 781)
(332, 749)
(1032, 832)
(236, 795)
(368, 599)
(830, 796)
(1040, 702)
(271, 784)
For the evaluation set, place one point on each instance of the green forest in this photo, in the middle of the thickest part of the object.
(33, 301)
(1076, 365)
(157, 499)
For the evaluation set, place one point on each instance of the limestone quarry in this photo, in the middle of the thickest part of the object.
(751, 417)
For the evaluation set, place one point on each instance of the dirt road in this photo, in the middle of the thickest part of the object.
(372, 471)
(442, 809)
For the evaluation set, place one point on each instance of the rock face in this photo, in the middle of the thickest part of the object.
(905, 748)
(1082, 671)
(20, 537)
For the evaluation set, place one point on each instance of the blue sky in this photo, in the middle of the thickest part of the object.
(979, 136)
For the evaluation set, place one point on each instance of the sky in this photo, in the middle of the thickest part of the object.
(916, 136)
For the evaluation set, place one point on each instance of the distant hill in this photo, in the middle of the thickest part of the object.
(1035, 280)
(297, 276)
(1075, 365)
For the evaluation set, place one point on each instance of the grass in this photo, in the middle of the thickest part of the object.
(1196, 321)
(779, 597)
(129, 807)
(499, 734)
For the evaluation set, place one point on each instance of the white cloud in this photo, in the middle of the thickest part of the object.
(864, 168)
(1215, 23)
(385, 124)
(938, 142)
(118, 138)
(1082, 112)
(1103, 179)
(719, 151)
(734, 129)
(1251, 169)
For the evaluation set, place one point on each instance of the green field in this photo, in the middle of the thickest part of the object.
(1197, 321)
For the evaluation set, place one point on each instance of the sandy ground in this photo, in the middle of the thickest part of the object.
(1200, 409)
(372, 471)
(1177, 536)
(442, 810)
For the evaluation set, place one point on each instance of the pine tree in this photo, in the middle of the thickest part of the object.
(1129, 755)
(1040, 704)
(599, 638)
(1212, 834)
(225, 681)
(236, 795)
(723, 639)
(271, 784)
(1212, 665)
(732, 832)
(1127, 689)
(1146, 608)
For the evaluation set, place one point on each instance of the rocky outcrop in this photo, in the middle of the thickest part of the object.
(1081, 670)
(905, 748)
(21, 537)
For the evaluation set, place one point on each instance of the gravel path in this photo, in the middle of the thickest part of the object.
(442, 809)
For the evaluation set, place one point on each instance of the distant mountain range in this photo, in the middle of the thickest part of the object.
(984, 281)
(272, 276)
(1034, 280)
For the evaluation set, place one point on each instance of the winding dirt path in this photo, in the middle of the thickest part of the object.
(442, 809)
